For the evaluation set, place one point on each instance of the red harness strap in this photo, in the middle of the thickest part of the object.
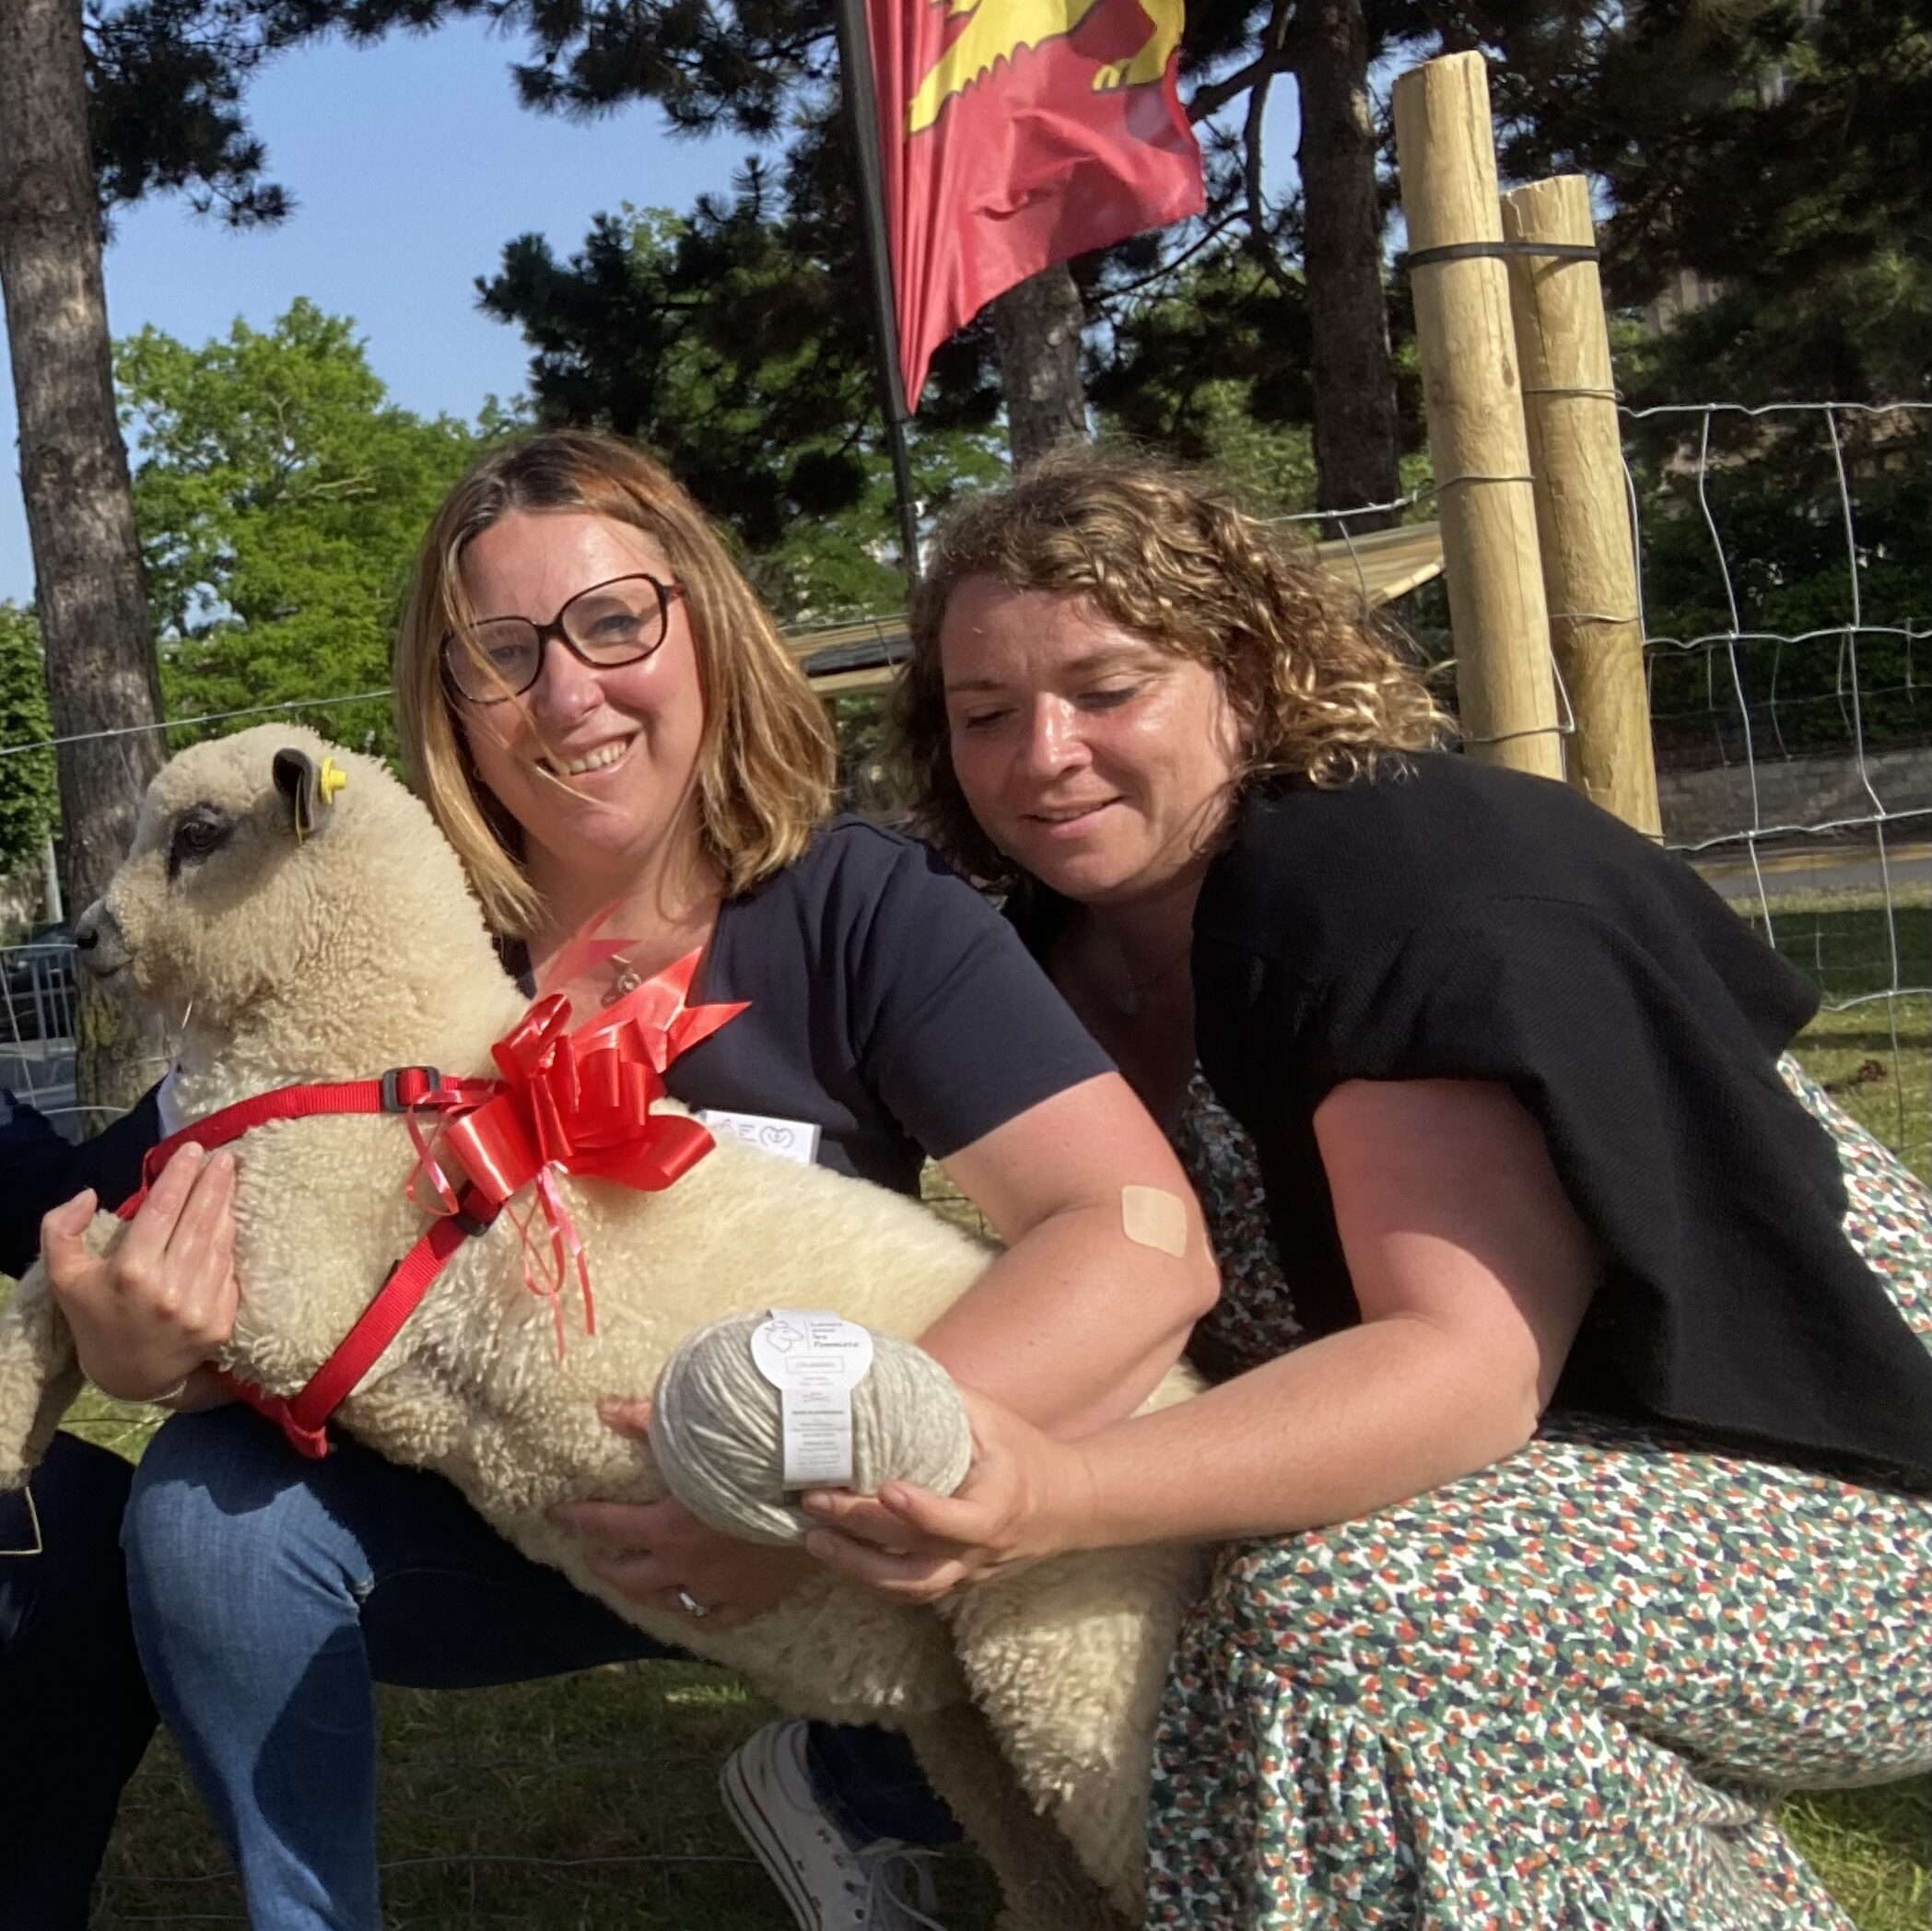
(578, 1102)
(402, 1089)
(304, 1416)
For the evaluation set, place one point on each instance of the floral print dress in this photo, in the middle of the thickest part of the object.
(1557, 1694)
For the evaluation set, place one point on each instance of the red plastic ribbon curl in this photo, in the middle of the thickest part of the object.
(581, 1103)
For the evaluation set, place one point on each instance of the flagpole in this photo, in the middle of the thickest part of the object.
(861, 105)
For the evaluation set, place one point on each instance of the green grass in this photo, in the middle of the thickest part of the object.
(1871, 1048)
(584, 1804)
(577, 1804)
(588, 1803)
(1873, 1848)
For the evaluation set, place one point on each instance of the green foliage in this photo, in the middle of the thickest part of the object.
(165, 81)
(1209, 362)
(29, 798)
(771, 278)
(1778, 148)
(730, 338)
(630, 334)
(1771, 487)
(280, 498)
(1184, 348)
(1779, 151)
(1211, 423)
(726, 341)
(846, 564)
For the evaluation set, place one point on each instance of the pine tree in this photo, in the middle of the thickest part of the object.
(727, 343)
(765, 67)
(1781, 150)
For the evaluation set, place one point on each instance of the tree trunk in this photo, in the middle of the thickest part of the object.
(88, 591)
(1356, 439)
(1036, 327)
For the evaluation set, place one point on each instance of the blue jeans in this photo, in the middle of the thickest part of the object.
(271, 1594)
(73, 1711)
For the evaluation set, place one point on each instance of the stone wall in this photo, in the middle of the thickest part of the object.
(1799, 791)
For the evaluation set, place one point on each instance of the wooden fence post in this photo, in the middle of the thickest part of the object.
(1477, 441)
(1582, 498)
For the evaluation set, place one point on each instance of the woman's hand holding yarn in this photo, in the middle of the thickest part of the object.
(658, 1553)
(1026, 1496)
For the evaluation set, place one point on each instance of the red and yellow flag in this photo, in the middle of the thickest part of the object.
(1015, 133)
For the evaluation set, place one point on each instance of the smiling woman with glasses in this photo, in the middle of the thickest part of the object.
(670, 762)
(649, 606)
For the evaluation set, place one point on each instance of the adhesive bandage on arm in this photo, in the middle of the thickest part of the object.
(1152, 1217)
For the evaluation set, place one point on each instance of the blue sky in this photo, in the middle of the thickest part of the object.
(411, 164)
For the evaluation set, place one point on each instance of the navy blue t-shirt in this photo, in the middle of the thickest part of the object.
(891, 1007)
(39, 1170)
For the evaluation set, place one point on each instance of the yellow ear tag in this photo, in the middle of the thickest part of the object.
(330, 780)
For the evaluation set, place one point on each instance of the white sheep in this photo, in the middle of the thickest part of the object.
(358, 947)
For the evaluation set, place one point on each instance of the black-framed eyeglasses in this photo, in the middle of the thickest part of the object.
(619, 621)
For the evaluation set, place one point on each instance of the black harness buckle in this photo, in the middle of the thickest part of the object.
(468, 1217)
(423, 1080)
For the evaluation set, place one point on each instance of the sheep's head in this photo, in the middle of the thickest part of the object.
(275, 869)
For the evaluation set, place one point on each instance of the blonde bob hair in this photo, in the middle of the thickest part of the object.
(1320, 692)
(768, 760)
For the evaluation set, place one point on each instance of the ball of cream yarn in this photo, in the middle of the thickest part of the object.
(716, 1433)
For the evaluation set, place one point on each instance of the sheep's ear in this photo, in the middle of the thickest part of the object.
(307, 791)
(296, 779)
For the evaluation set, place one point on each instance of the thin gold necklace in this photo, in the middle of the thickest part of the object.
(626, 975)
(1127, 1002)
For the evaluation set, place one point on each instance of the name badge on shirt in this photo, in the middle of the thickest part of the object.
(165, 1109)
(786, 1139)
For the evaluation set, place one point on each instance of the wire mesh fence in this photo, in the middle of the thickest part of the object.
(1785, 576)
(37, 997)
(1786, 569)
(586, 1802)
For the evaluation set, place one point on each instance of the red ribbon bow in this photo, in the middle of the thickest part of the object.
(581, 1102)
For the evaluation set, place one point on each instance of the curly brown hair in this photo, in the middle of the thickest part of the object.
(1319, 690)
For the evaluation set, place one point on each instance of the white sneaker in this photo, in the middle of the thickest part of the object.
(830, 1883)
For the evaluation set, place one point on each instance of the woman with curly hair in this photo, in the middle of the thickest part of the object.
(1572, 1425)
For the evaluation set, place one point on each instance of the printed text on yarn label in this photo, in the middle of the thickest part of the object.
(815, 1360)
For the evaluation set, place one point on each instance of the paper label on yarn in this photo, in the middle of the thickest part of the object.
(783, 1139)
(815, 1360)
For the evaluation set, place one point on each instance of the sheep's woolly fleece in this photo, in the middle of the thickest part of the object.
(359, 947)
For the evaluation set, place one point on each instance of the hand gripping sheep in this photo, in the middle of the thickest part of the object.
(323, 941)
